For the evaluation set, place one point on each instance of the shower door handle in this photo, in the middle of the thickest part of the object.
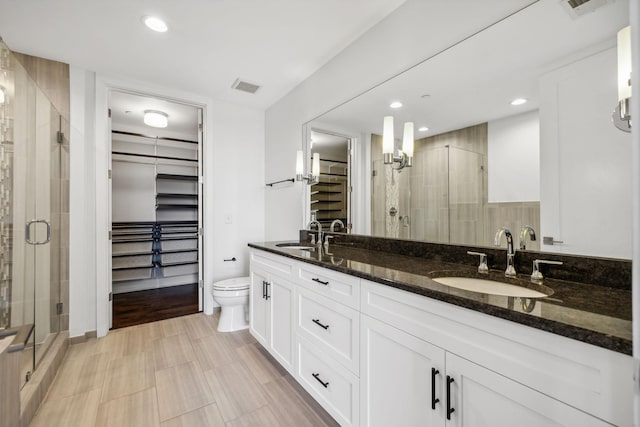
(28, 232)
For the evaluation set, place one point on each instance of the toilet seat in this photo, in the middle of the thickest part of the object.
(235, 284)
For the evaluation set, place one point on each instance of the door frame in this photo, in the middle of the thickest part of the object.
(104, 85)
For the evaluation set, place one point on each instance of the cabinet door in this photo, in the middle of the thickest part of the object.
(280, 302)
(258, 307)
(396, 378)
(483, 398)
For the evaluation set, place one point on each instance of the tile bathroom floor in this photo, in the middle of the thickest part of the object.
(175, 372)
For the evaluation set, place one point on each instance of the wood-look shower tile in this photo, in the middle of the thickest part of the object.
(127, 375)
(199, 326)
(207, 416)
(173, 350)
(289, 407)
(236, 390)
(181, 389)
(262, 417)
(213, 351)
(263, 367)
(76, 410)
(133, 410)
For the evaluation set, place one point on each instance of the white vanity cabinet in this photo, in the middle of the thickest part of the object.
(271, 306)
(374, 355)
(503, 374)
(405, 381)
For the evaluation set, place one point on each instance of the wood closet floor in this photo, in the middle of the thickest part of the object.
(136, 308)
(178, 372)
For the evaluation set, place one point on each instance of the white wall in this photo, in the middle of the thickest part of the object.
(590, 158)
(514, 158)
(401, 40)
(233, 172)
(82, 289)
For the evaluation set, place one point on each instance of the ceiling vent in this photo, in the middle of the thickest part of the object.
(245, 86)
(577, 8)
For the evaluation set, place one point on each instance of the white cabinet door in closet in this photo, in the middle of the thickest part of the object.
(479, 397)
(133, 192)
(401, 378)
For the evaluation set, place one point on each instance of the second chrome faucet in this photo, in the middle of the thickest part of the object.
(511, 269)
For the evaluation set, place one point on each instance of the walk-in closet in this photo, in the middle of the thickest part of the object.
(156, 199)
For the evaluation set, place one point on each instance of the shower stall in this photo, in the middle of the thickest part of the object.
(34, 214)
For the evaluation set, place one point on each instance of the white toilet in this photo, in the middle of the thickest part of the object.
(233, 297)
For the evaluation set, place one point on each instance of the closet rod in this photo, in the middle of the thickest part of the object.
(164, 138)
(155, 157)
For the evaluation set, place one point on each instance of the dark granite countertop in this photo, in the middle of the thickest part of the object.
(598, 315)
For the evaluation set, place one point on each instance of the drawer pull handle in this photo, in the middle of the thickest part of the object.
(315, 279)
(317, 322)
(450, 409)
(434, 400)
(317, 377)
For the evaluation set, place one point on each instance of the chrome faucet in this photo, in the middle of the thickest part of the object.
(527, 230)
(333, 224)
(511, 269)
(320, 233)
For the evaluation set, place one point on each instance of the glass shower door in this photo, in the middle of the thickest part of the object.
(30, 195)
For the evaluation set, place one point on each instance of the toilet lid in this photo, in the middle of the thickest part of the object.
(235, 284)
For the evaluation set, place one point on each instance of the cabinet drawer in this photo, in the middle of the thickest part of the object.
(279, 265)
(334, 387)
(330, 326)
(340, 287)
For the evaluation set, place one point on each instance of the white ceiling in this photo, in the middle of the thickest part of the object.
(475, 81)
(210, 43)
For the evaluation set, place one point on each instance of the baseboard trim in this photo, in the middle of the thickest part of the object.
(83, 338)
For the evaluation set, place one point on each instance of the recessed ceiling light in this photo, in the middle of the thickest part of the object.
(519, 101)
(423, 129)
(156, 119)
(156, 24)
(395, 104)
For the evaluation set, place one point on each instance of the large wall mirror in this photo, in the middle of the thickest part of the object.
(555, 163)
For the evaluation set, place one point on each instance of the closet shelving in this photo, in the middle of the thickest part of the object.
(162, 248)
(328, 196)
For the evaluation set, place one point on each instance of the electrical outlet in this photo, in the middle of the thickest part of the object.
(228, 219)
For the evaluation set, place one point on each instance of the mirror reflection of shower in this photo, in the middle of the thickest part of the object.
(330, 201)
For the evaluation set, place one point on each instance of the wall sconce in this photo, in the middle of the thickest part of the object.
(405, 156)
(314, 176)
(2, 96)
(622, 114)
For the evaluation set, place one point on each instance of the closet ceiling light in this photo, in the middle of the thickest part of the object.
(396, 104)
(156, 24)
(519, 101)
(156, 119)
(423, 129)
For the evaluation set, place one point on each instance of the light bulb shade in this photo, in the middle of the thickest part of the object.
(156, 119)
(387, 135)
(299, 163)
(407, 139)
(315, 170)
(624, 63)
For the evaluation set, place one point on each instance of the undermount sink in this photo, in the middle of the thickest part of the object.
(492, 287)
(296, 245)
